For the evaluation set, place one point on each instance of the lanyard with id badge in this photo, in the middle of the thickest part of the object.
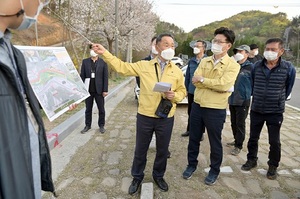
(93, 69)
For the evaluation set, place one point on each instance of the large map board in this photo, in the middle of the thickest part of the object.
(54, 79)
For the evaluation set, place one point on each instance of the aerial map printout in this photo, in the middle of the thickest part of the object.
(54, 79)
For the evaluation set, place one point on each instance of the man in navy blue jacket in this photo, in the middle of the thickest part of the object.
(272, 79)
(199, 51)
(94, 70)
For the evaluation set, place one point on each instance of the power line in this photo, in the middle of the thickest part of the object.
(70, 25)
(232, 5)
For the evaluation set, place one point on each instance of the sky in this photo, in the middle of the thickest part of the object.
(190, 14)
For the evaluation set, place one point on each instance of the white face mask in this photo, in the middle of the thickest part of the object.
(168, 54)
(256, 52)
(196, 50)
(29, 21)
(270, 55)
(93, 54)
(238, 57)
(217, 49)
(153, 50)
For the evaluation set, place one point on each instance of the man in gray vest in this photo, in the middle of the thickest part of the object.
(272, 79)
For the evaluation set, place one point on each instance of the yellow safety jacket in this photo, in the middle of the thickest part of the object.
(149, 100)
(213, 92)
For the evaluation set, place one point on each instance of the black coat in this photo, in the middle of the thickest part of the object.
(101, 77)
(16, 179)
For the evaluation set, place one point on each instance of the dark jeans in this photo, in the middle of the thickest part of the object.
(238, 115)
(273, 122)
(213, 120)
(89, 102)
(145, 126)
(137, 79)
(190, 102)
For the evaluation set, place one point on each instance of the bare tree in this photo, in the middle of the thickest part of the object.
(96, 19)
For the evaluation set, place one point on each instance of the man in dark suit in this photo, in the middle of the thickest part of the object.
(94, 70)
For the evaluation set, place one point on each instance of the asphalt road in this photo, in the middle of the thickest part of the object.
(295, 100)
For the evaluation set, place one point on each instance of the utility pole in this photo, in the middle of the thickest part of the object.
(116, 28)
(129, 48)
(298, 48)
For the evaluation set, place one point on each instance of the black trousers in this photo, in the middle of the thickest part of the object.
(238, 115)
(213, 120)
(145, 126)
(190, 102)
(273, 122)
(89, 102)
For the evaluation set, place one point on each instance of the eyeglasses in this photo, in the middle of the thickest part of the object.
(272, 49)
(215, 41)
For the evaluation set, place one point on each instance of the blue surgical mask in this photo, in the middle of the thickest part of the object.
(29, 21)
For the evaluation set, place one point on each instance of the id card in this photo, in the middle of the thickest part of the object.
(93, 75)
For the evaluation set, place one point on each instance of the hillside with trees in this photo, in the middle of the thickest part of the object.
(252, 27)
(71, 22)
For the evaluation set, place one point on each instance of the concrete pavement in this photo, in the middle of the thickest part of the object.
(97, 166)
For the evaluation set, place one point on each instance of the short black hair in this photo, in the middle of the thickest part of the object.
(153, 38)
(275, 40)
(159, 37)
(229, 34)
(253, 46)
(90, 46)
(203, 43)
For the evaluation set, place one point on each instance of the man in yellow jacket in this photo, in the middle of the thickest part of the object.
(159, 69)
(214, 79)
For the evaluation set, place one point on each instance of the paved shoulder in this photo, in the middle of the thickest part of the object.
(100, 166)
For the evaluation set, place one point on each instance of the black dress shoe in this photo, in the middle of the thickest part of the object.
(102, 129)
(161, 183)
(185, 134)
(86, 128)
(169, 154)
(134, 187)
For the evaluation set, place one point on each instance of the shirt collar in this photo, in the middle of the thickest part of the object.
(6, 35)
(219, 60)
(1, 34)
(161, 63)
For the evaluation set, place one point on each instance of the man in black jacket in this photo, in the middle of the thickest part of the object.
(94, 70)
(239, 100)
(272, 79)
(25, 164)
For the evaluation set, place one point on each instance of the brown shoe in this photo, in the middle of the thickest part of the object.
(235, 151)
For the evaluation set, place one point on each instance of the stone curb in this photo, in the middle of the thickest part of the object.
(60, 132)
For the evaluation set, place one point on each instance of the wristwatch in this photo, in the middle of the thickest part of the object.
(202, 79)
